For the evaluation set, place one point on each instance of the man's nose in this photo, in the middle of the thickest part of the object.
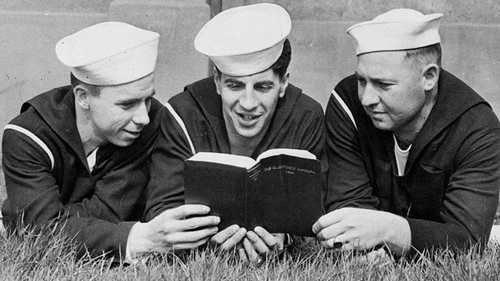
(368, 95)
(141, 116)
(248, 99)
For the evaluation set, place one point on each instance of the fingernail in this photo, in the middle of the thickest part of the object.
(258, 230)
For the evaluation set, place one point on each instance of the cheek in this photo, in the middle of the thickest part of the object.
(269, 100)
(228, 103)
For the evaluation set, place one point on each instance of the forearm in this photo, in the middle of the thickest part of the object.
(165, 189)
(348, 181)
(99, 237)
(429, 235)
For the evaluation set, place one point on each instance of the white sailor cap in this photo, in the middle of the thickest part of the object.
(245, 40)
(109, 53)
(398, 29)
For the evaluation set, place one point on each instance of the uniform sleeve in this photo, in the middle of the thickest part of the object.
(313, 138)
(348, 181)
(103, 221)
(165, 189)
(33, 198)
(98, 222)
(471, 197)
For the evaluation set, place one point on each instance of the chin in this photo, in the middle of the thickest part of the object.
(248, 133)
(383, 126)
(123, 143)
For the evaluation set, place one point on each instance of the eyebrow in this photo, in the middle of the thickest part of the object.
(233, 80)
(374, 79)
(265, 82)
(136, 100)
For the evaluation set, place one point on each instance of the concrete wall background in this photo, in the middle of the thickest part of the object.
(322, 52)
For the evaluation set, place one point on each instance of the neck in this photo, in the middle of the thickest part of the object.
(243, 146)
(407, 134)
(89, 140)
(403, 141)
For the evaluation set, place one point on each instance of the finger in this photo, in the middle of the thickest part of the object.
(249, 250)
(234, 240)
(170, 225)
(258, 243)
(224, 234)
(181, 246)
(327, 220)
(330, 232)
(339, 243)
(199, 222)
(187, 210)
(178, 237)
(271, 240)
(241, 252)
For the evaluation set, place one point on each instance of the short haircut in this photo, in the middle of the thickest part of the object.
(425, 55)
(280, 66)
(94, 90)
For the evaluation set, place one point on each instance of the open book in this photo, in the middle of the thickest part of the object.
(280, 191)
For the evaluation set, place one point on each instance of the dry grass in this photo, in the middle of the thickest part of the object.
(51, 257)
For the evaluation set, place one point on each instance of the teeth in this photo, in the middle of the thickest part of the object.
(247, 117)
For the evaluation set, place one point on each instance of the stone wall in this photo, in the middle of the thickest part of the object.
(322, 52)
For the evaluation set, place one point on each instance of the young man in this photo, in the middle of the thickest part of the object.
(413, 152)
(77, 157)
(246, 108)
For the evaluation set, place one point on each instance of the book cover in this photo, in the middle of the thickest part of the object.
(280, 191)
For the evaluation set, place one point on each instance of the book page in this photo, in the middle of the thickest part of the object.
(223, 158)
(287, 151)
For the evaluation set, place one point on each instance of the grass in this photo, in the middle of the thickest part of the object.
(51, 256)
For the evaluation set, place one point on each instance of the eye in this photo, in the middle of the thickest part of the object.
(234, 86)
(361, 80)
(264, 88)
(383, 85)
(127, 105)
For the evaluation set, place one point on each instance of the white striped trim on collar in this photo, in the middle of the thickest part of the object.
(35, 139)
(181, 123)
(344, 106)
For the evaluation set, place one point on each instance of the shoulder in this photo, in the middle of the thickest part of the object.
(199, 98)
(461, 102)
(49, 100)
(302, 101)
(347, 89)
(202, 91)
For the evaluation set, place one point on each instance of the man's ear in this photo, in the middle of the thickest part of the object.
(430, 75)
(284, 84)
(216, 80)
(81, 96)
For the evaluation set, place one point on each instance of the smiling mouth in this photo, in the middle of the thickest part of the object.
(248, 118)
(136, 133)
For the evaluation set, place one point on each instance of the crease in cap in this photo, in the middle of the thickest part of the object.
(109, 53)
(245, 40)
(396, 30)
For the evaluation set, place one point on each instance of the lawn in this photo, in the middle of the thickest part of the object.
(51, 257)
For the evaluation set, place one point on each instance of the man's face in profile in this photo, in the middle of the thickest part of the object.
(119, 113)
(391, 90)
